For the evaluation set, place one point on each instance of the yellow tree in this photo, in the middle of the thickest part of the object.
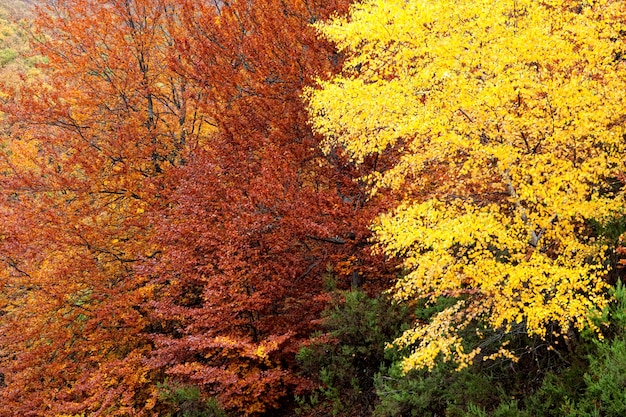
(506, 124)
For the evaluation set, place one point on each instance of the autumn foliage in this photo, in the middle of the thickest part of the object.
(187, 185)
(257, 213)
(167, 213)
(85, 144)
(508, 119)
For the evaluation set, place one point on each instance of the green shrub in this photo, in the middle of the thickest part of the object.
(582, 378)
(441, 391)
(187, 401)
(605, 381)
(345, 358)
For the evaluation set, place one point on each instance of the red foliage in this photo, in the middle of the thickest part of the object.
(166, 210)
(258, 212)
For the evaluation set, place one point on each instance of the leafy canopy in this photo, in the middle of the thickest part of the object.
(505, 122)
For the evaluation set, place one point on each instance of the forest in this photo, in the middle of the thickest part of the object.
(373, 208)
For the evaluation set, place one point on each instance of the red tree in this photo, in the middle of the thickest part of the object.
(258, 213)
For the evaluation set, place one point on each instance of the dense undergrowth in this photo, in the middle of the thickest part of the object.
(358, 376)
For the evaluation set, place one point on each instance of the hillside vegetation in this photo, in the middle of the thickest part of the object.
(14, 20)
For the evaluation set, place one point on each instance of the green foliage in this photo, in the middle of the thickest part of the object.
(346, 357)
(584, 380)
(605, 381)
(186, 401)
(7, 55)
(508, 409)
(555, 391)
(617, 310)
(442, 390)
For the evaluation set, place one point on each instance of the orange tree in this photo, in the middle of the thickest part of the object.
(84, 149)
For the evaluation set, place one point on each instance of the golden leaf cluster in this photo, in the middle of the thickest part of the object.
(506, 122)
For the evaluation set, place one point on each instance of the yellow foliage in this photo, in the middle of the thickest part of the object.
(508, 121)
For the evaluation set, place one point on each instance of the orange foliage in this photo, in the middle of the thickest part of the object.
(87, 145)
(165, 209)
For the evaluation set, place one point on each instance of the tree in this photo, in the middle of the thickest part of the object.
(166, 213)
(257, 214)
(85, 149)
(506, 121)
